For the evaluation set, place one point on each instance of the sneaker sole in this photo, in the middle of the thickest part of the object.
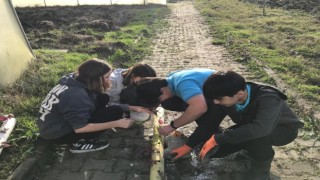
(89, 150)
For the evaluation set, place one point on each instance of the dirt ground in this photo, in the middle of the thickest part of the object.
(77, 28)
(185, 44)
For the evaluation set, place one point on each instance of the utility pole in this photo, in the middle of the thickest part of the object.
(263, 4)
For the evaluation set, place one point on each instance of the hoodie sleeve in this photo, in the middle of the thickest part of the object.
(77, 108)
(265, 118)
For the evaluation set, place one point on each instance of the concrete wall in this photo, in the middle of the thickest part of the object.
(14, 48)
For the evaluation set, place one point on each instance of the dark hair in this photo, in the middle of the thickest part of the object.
(221, 84)
(149, 90)
(128, 96)
(90, 73)
(140, 70)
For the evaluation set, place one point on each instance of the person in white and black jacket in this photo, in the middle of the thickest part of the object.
(74, 112)
(122, 91)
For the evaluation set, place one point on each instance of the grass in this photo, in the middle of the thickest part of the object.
(285, 41)
(23, 97)
(288, 42)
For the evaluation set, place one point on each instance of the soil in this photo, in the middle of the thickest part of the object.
(76, 28)
(310, 6)
(43, 24)
(185, 44)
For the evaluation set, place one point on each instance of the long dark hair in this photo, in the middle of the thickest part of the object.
(91, 74)
(140, 70)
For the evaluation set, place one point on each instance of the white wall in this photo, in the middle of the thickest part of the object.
(14, 50)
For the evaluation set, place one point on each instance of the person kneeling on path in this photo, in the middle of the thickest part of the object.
(181, 91)
(122, 90)
(74, 112)
(262, 116)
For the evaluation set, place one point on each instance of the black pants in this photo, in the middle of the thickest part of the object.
(208, 123)
(260, 149)
(100, 115)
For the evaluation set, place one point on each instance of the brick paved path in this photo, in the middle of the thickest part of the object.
(127, 157)
(186, 44)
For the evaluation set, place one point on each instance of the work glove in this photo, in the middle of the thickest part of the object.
(211, 145)
(179, 152)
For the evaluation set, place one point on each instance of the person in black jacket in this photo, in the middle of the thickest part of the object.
(75, 112)
(262, 119)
